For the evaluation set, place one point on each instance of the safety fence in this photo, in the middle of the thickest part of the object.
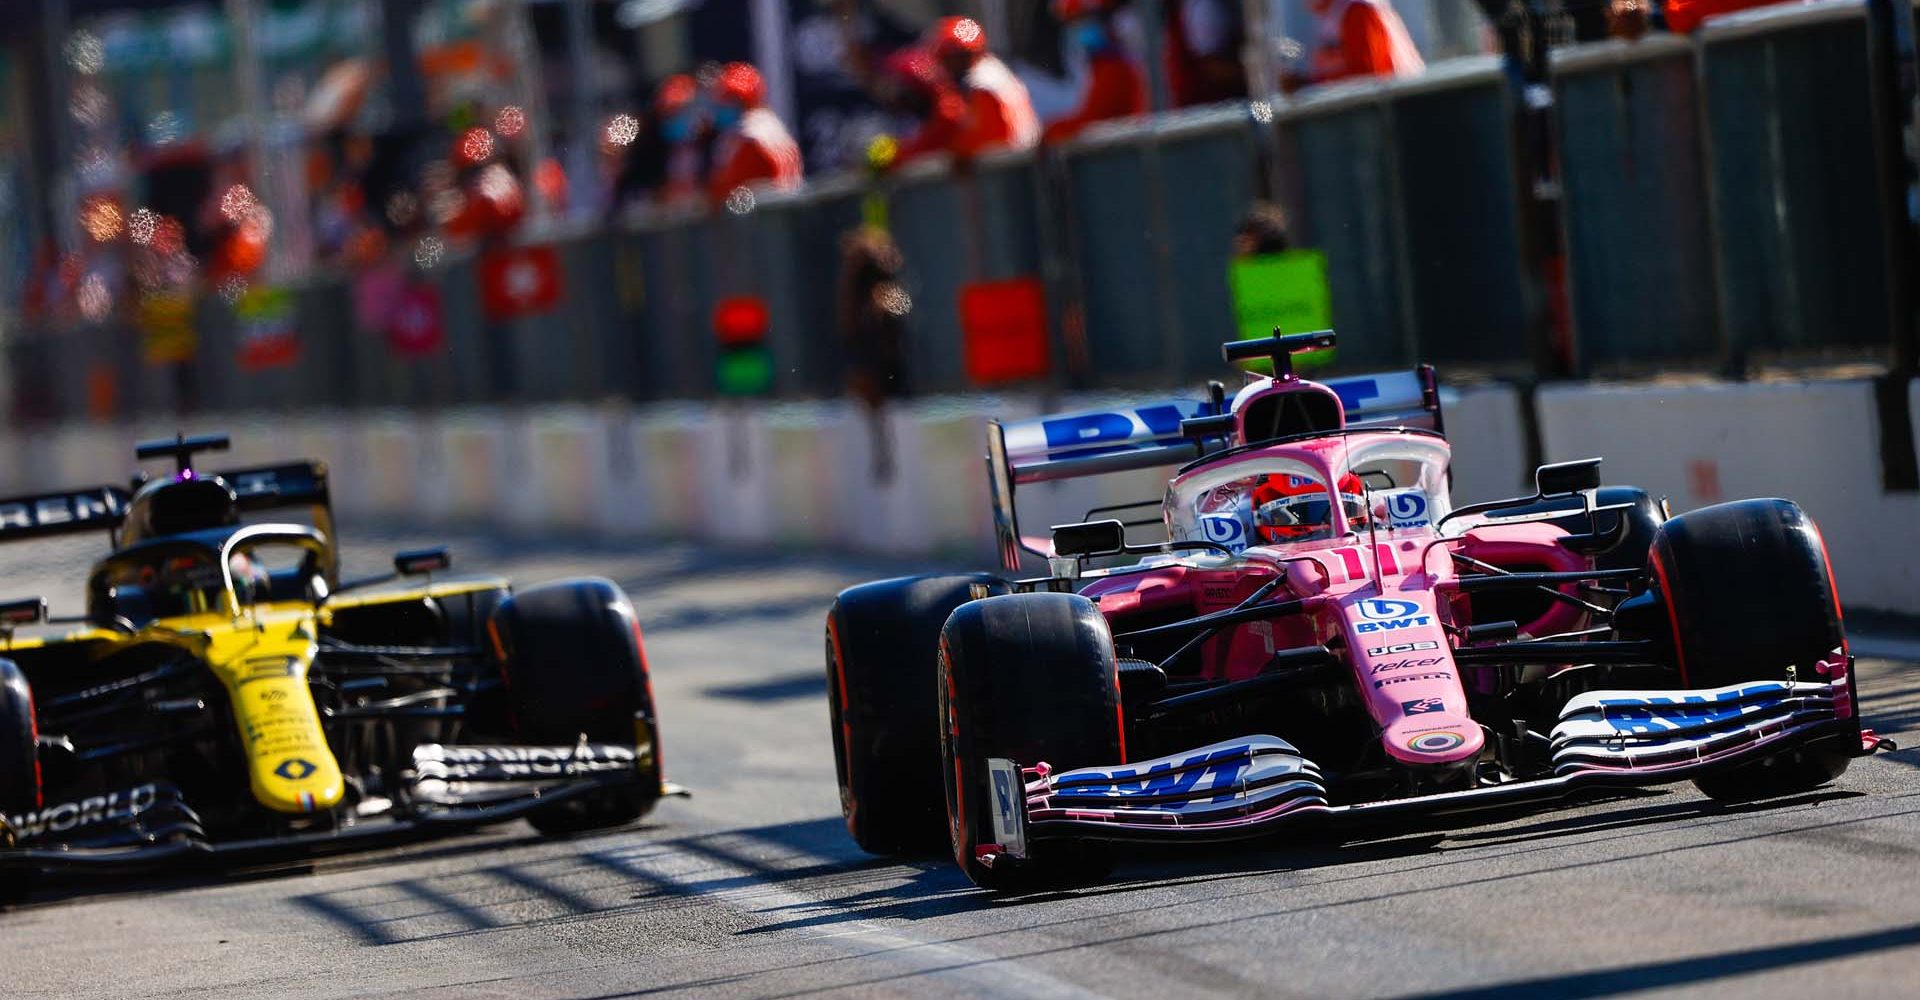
(1725, 198)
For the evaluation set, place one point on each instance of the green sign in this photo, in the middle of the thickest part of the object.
(1282, 293)
(745, 371)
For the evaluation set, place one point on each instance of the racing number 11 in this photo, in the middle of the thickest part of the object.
(1356, 568)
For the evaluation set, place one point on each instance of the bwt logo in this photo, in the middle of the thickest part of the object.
(1389, 616)
(1384, 610)
(1659, 714)
(1408, 510)
(1218, 771)
(1224, 529)
(1084, 434)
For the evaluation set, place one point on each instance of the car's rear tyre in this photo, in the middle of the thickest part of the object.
(570, 654)
(1749, 596)
(1030, 678)
(19, 768)
(882, 645)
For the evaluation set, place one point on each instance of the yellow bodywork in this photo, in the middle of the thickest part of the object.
(262, 659)
(262, 655)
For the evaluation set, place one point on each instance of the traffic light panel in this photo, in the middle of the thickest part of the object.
(745, 364)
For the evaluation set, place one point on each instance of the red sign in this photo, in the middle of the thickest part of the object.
(519, 281)
(741, 320)
(1004, 325)
(418, 327)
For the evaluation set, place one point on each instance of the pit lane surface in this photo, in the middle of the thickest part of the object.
(751, 889)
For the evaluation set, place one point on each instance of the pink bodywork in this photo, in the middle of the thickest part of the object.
(1384, 597)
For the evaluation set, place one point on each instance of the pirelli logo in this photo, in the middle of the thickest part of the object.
(61, 511)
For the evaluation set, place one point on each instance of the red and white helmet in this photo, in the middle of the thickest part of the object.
(740, 84)
(951, 35)
(1289, 508)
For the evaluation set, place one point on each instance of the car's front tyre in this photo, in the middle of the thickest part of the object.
(571, 657)
(1749, 596)
(1030, 678)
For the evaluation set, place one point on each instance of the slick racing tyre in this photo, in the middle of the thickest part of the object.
(1029, 678)
(19, 768)
(882, 641)
(1749, 595)
(571, 657)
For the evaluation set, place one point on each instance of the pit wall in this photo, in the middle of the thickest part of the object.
(803, 475)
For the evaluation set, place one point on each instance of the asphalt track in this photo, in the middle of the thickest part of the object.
(751, 888)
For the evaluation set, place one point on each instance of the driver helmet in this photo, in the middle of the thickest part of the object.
(1290, 508)
(186, 583)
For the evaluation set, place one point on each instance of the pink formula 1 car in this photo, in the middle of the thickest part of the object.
(1323, 637)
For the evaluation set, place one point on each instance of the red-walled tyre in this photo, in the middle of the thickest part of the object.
(1749, 597)
(882, 641)
(571, 656)
(1030, 678)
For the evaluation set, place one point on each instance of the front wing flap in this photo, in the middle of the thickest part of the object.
(452, 788)
(1249, 786)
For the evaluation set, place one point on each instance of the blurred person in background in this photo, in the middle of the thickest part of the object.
(999, 112)
(752, 146)
(1629, 19)
(873, 310)
(911, 86)
(1115, 87)
(682, 140)
(1263, 230)
(1357, 38)
(1204, 43)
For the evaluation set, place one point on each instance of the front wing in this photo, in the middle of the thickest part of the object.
(1250, 786)
(452, 788)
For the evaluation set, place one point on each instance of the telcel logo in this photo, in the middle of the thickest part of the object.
(1407, 664)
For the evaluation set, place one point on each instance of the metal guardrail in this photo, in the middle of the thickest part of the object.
(1410, 186)
(1803, 208)
(1634, 205)
(1724, 196)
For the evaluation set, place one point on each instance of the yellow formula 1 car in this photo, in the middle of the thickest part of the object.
(226, 696)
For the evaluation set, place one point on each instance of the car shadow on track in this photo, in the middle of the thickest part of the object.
(1322, 856)
(66, 889)
(1688, 971)
(618, 876)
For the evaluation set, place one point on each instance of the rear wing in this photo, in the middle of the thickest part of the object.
(277, 487)
(104, 508)
(43, 515)
(1147, 435)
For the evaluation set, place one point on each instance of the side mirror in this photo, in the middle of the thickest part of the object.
(419, 562)
(30, 611)
(1567, 478)
(1092, 538)
(1203, 428)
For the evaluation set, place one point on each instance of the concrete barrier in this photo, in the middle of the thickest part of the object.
(805, 474)
(1813, 442)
